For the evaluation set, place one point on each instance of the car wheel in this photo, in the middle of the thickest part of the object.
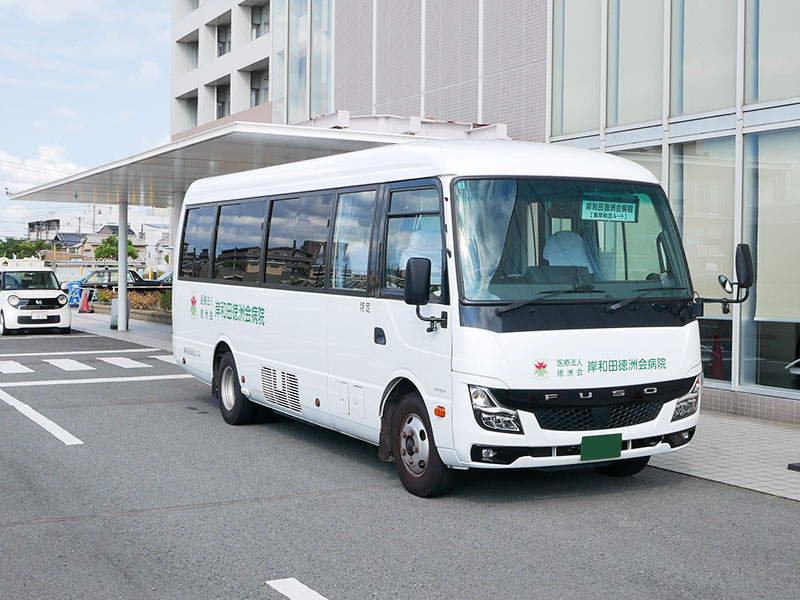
(3, 328)
(416, 458)
(624, 468)
(235, 408)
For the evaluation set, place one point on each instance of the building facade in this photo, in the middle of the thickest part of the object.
(704, 93)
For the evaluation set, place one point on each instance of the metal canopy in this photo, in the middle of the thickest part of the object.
(156, 177)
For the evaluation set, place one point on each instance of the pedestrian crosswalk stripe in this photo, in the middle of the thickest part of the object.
(12, 366)
(167, 358)
(124, 362)
(67, 364)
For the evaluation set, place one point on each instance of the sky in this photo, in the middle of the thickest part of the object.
(82, 83)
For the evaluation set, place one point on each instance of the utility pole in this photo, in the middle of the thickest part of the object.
(79, 225)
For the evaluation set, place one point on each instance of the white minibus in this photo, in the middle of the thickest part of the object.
(460, 304)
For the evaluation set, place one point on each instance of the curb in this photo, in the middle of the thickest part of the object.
(139, 315)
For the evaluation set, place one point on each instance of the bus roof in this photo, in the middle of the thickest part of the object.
(415, 160)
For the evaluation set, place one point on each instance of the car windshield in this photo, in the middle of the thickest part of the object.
(29, 280)
(561, 240)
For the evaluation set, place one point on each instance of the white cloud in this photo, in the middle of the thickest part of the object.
(39, 124)
(17, 174)
(49, 11)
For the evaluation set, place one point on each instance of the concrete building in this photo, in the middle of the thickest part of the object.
(289, 61)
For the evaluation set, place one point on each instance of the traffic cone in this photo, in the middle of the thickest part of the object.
(84, 305)
(716, 371)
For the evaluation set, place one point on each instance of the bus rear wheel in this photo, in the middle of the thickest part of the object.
(624, 468)
(416, 459)
(235, 408)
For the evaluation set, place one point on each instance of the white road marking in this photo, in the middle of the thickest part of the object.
(67, 364)
(71, 336)
(45, 423)
(11, 366)
(167, 358)
(77, 352)
(294, 590)
(94, 380)
(125, 363)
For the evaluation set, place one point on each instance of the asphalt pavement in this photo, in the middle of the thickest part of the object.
(159, 498)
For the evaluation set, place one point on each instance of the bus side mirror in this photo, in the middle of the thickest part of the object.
(418, 281)
(418, 290)
(745, 274)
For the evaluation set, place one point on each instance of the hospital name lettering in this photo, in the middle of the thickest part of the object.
(233, 311)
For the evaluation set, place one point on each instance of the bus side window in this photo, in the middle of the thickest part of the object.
(197, 242)
(352, 231)
(414, 231)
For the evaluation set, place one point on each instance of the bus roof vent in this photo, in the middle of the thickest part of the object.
(281, 388)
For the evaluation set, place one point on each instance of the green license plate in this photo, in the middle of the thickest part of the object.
(599, 447)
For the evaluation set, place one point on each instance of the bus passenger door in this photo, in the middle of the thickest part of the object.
(412, 227)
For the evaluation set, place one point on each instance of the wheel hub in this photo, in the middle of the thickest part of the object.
(414, 445)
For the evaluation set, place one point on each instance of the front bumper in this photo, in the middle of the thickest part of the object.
(540, 447)
(34, 319)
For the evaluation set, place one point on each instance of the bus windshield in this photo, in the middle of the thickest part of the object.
(562, 240)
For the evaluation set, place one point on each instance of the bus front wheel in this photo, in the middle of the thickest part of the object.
(416, 459)
(235, 408)
(625, 467)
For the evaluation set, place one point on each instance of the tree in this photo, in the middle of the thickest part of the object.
(10, 247)
(109, 249)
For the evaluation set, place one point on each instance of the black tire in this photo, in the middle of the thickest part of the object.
(65, 330)
(3, 329)
(235, 408)
(412, 438)
(624, 468)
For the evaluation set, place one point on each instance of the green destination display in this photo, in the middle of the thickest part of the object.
(601, 209)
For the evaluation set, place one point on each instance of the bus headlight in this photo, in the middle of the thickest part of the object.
(689, 404)
(62, 300)
(490, 415)
(12, 300)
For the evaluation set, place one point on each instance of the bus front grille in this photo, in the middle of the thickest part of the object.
(588, 418)
(281, 388)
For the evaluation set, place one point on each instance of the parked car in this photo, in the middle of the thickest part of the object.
(109, 278)
(30, 298)
(166, 280)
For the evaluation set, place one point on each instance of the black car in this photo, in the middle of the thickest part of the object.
(109, 278)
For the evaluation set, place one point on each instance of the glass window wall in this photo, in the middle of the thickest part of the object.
(702, 179)
(703, 56)
(576, 66)
(771, 318)
(321, 40)
(635, 60)
(649, 158)
(772, 71)
(278, 61)
(298, 61)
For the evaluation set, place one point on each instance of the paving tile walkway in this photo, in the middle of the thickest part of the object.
(740, 451)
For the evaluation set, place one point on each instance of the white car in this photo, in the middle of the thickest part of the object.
(31, 298)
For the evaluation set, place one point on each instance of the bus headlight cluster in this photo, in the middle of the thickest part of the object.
(13, 300)
(689, 404)
(490, 414)
(62, 300)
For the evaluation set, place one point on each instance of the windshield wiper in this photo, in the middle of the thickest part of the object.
(515, 305)
(623, 303)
